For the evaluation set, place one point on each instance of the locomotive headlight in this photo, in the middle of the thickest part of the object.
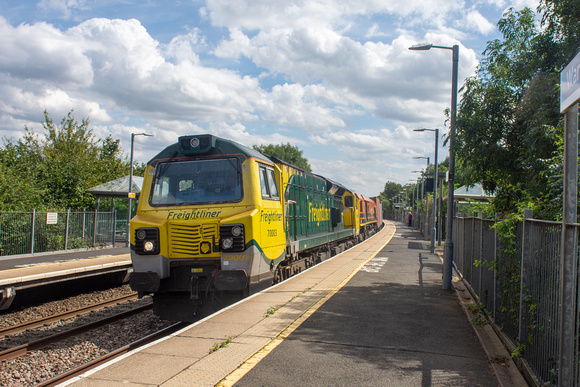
(236, 231)
(227, 243)
(147, 240)
(148, 246)
(232, 237)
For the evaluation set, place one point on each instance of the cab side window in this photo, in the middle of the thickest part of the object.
(273, 186)
(268, 183)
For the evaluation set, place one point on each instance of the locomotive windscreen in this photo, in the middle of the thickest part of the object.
(196, 181)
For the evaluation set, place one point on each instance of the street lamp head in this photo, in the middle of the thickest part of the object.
(428, 46)
(421, 157)
(421, 47)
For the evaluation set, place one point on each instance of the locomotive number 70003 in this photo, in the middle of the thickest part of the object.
(237, 257)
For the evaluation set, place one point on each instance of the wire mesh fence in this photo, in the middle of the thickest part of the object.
(518, 282)
(39, 232)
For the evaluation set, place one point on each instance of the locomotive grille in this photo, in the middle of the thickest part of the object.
(185, 239)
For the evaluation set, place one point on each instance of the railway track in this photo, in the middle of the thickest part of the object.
(111, 355)
(23, 349)
(22, 327)
(76, 346)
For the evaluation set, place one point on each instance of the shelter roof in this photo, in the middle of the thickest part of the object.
(118, 187)
(474, 192)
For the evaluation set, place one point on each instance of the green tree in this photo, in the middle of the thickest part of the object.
(390, 191)
(508, 117)
(53, 172)
(140, 169)
(561, 22)
(285, 152)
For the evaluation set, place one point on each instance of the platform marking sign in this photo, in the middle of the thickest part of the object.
(374, 265)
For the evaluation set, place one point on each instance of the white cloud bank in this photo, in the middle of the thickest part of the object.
(300, 71)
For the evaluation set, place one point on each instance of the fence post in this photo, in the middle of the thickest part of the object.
(496, 256)
(95, 229)
(568, 257)
(32, 233)
(483, 223)
(115, 226)
(524, 269)
(481, 257)
(66, 230)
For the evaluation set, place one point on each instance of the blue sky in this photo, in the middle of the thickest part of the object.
(333, 77)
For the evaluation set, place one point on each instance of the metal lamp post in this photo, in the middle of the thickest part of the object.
(405, 204)
(417, 205)
(425, 193)
(448, 260)
(130, 194)
(413, 193)
(435, 180)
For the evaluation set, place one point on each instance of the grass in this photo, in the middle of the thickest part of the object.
(223, 344)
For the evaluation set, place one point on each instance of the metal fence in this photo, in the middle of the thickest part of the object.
(518, 283)
(38, 232)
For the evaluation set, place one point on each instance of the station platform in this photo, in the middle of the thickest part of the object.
(374, 315)
(24, 272)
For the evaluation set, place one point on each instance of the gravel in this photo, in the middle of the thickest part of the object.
(60, 306)
(57, 358)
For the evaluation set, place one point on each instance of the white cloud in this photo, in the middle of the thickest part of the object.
(119, 64)
(384, 79)
(476, 21)
(303, 107)
(41, 52)
(384, 155)
(301, 71)
(519, 4)
(63, 7)
(182, 47)
(265, 14)
(374, 31)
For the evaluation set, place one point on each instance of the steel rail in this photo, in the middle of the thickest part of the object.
(56, 380)
(19, 328)
(23, 349)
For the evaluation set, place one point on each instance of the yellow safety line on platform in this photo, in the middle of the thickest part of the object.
(243, 369)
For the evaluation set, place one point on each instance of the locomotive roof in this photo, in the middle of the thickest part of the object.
(207, 145)
(334, 186)
(280, 161)
(204, 145)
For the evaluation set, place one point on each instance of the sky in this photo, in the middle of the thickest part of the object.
(333, 77)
